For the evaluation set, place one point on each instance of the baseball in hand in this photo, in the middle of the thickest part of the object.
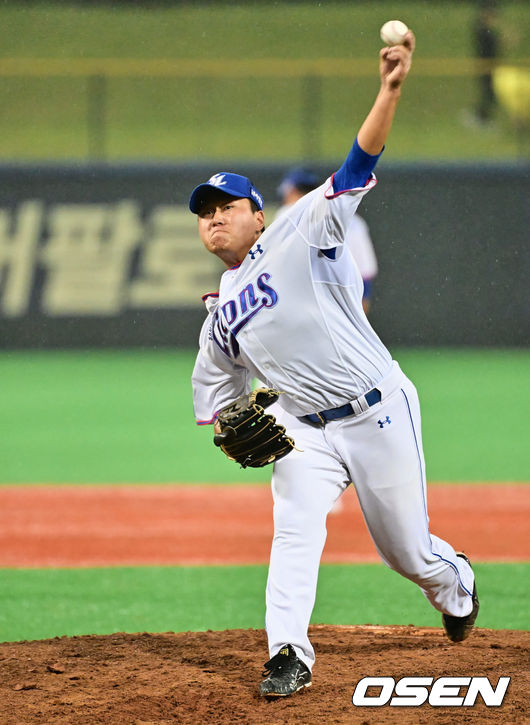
(393, 32)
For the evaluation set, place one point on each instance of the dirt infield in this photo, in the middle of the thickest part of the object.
(75, 525)
(211, 677)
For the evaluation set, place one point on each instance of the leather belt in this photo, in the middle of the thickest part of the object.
(371, 398)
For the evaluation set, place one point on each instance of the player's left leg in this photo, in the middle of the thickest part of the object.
(383, 451)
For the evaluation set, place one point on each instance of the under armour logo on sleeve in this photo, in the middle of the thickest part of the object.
(257, 250)
(382, 422)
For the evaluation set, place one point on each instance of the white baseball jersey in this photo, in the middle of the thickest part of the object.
(358, 241)
(296, 271)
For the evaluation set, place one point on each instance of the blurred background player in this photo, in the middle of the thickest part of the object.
(300, 181)
(486, 44)
(487, 47)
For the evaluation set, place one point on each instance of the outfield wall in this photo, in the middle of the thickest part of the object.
(108, 255)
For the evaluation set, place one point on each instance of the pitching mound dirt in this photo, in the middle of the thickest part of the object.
(212, 677)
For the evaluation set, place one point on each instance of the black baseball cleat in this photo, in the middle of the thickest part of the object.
(284, 674)
(459, 628)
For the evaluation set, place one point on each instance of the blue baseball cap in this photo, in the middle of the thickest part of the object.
(231, 184)
(299, 178)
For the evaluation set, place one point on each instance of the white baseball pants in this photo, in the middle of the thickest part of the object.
(380, 451)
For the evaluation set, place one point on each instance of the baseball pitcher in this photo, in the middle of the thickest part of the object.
(289, 312)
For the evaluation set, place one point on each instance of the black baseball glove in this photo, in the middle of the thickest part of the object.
(248, 434)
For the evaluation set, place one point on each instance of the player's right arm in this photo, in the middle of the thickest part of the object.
(394, 66)
(323, 221)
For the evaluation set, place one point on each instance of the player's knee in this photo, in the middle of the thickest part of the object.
(414, 569)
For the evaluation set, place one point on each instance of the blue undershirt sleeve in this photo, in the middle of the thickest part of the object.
(356, 169)
(367, 289)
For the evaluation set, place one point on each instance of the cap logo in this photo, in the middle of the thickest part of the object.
(217, 180)
(254, 194)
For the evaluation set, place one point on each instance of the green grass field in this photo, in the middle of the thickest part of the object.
(91, 417)
(190, 115)
(103, 417)
(38, 603)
